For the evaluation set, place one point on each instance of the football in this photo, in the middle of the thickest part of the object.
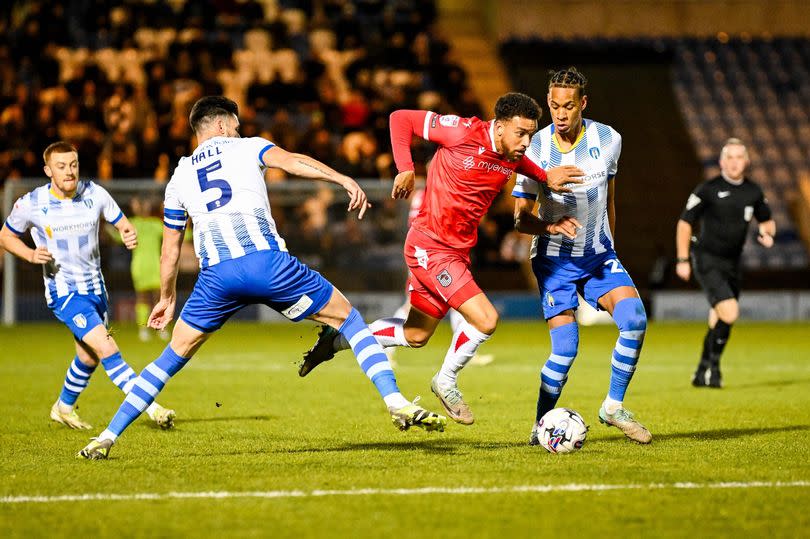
(562, 430)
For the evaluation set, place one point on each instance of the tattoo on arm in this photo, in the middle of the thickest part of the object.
(307, 164)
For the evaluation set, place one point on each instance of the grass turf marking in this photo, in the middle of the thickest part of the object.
(573, 487)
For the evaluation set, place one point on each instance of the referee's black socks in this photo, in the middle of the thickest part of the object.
(719, 338)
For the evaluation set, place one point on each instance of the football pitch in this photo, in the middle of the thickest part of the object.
(257, 451)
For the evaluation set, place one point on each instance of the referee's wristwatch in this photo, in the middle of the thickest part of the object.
(682, 259)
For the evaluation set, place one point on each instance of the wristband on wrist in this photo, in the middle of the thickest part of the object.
(682, 259)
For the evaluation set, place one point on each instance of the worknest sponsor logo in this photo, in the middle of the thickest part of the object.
(74, 227)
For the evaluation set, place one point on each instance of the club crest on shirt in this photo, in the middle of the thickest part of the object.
(421, 257)
(449, 120)
(549, 299)
(444, 278)
(594, 151)
(80, 321)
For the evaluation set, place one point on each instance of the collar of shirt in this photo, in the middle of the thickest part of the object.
(732, 182)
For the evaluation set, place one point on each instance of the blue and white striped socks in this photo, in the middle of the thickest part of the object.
(76, 379)
(144, 390)
(564, 345)
(119, 371)
(372, 359)
(631, 318)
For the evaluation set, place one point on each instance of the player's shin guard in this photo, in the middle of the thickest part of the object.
(466, 341)
(144, 391)
(564, 345)
(631, 319)
(76, 379)
(371, 358)
(119, 371)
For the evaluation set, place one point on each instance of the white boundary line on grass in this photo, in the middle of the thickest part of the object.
(573, 487)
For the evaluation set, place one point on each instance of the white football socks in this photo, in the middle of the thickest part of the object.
(465, 343)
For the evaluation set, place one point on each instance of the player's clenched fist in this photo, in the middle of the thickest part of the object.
(40, 255)
(403, 184)
(558, 177)
(129, 236)
(684, 270)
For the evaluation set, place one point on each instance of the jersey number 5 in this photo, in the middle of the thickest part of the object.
(206, 184)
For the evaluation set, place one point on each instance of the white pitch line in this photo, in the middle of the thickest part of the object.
(573, 487)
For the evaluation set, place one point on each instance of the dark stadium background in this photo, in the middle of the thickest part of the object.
(117, 79)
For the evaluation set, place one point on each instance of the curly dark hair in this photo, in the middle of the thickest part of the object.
(516, 104)
(567, 78)
(210, 107)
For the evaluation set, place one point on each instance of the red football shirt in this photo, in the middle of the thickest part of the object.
(464, 177)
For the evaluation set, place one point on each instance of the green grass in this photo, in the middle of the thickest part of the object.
(246, 422)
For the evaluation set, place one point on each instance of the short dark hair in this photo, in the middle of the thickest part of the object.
(569, 77)
(210, 107)
(516, 104)
(58, 147)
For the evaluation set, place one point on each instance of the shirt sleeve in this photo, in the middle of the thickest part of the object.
(19, 220)
(695, 204)
(174, 212)
(447, 130)
(256, 146)
(525, 186)
(762, 211)
(616, 151)
(109, 207)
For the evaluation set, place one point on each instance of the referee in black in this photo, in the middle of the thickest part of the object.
(724, 206)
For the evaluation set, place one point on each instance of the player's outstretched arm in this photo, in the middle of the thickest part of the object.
(129, 235)
(528, 223)
(12, 243)
(306, 167)
(163, 312)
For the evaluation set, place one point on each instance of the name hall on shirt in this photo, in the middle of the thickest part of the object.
(205, 154)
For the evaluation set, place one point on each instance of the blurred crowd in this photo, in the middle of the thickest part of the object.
(117, 78)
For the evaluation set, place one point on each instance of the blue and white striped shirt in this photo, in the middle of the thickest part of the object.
(68, 228)
(596, 152)
(221, 187)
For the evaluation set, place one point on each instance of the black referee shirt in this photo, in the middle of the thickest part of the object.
(724, 211)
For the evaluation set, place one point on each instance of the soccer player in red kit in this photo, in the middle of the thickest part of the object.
(474, 160)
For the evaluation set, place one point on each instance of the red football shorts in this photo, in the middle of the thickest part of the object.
(440, 277)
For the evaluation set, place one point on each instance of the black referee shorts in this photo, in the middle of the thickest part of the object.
(719, 276)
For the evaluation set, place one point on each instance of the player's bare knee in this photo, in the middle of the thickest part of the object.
(417, 338)
(728, 311)
(488, 323)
